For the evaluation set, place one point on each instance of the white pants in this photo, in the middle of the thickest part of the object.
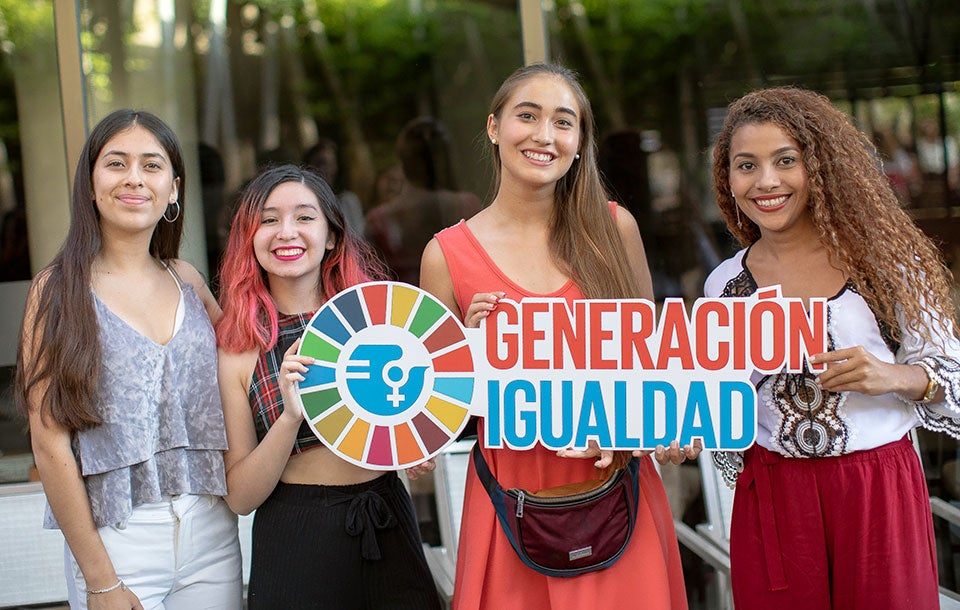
(182, 553)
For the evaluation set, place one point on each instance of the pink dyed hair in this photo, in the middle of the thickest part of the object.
(250, 316)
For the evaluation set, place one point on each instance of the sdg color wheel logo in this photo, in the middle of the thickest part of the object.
(393, 377)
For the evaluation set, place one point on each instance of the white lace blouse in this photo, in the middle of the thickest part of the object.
(797, 419)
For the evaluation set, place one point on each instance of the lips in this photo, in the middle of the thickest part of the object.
(540, 157)
(771, 203)
(133, 199)
(289, 253)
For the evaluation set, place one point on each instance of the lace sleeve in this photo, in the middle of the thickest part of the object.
(942, 416)
(730, 465)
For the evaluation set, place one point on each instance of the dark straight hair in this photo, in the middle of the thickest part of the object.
(65, 358)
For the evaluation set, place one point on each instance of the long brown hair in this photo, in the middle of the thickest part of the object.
(584, 237)
(65, 361)
(895, 267)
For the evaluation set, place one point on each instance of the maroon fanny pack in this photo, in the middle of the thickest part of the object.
(569, 530)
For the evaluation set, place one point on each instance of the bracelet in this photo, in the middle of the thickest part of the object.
(118, 585)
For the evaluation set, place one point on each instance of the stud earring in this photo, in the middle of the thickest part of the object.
(577, 156)
(493, 141)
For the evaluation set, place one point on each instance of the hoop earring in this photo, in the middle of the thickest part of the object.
(175, 216)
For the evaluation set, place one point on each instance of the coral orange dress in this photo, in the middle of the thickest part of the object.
(489, 574)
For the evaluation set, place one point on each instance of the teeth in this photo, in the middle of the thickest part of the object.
(543, 157)
(771, 203)
(288, 251)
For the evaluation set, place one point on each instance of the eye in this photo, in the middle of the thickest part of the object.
(114, 163)
(269, 220)
(306, 218)
(153, 166)
(565, 123)
(526, 116)
(788, 161)
(745, 166)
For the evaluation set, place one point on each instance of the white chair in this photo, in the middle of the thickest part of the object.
(711, 540)
(449, 479)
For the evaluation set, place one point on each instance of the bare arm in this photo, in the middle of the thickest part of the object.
(253, 469)
(633, 244)
(65, 491)
(435, 276)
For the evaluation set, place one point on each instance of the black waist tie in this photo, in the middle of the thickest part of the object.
(367, 514)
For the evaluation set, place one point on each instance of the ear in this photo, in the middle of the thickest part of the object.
(492, 128)
(331, 240)
(175, 190)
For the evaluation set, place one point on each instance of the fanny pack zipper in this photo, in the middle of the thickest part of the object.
(523, 497)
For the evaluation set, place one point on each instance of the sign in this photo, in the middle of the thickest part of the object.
(397, 376)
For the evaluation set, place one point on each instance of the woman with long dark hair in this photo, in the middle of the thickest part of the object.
(117, 374)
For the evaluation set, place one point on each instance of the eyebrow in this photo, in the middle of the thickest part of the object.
(309, 206)
(126, 154)
(779, 151)
(563, 109)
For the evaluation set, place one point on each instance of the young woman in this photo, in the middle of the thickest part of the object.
(117, 375)
(831, 507)
(327, 533)
(549, 232)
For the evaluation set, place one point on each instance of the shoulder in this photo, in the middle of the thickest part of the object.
(452, 235)
(433, 255)
(189, 274)
(624, 219)
(37, 286)
(723, 273)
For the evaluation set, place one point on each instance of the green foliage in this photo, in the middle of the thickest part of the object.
(26, 23)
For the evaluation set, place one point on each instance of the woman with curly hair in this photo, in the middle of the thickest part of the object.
(831, 507)
(327, 533)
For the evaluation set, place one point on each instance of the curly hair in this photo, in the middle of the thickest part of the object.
(584, 238)
(897, 269)
(250, 316)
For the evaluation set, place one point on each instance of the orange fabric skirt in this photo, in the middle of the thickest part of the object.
(491, 576)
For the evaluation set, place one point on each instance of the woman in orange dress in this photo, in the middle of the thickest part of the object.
(549, 232)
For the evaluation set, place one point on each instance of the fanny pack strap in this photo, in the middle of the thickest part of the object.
(483, 472)
(496, 493)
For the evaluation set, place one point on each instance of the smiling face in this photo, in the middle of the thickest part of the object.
(768, 178)
(293, 234)
(537, 131)
(133, 181)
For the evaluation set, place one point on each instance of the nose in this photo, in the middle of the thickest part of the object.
(288, 229)
(544, 133)
(134, 175)
(769, 177)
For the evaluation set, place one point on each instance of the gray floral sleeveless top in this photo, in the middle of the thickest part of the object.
(162, 431)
